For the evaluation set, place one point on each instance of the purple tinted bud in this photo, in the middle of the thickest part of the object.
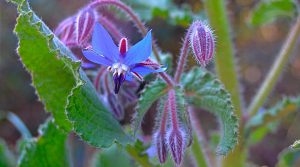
(176, 141)
(202, 43)
(115, 106)
(161, 146)
(65, 30)
(85, 21)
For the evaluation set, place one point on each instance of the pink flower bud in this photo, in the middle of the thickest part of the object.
(85, 21)
(65, 30)
(161, 146)
(202, 43)
(176, 142)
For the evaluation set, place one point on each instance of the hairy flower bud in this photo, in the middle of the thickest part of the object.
(202, 43)
(85, 21)
(65, 30)
(176, 142)
(161, 146)
(115, 106)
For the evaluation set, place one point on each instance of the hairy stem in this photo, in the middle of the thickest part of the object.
(277, 68)
(224, 58)
(173, 109)
(184, 52)
(226, 71)
(202, 154)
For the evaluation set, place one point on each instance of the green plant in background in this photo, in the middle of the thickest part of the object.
(83, 97)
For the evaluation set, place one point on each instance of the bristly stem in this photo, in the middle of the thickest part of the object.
(131, 14)
(184, 52)
(226, 70)
(277, 68)
(173, 109)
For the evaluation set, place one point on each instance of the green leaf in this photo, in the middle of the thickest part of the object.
(112, 156)
(7, 159)
(288, 158)
(281, 109)
(164, 9)
(138, 153)
(151, 93)
(268, 11)
(91, 120)
(47, 150)
(203, 90)
(296, 145)
(61, 84)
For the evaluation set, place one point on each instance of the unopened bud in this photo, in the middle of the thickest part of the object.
(202, 42)
(65, 30)
(85, 21)
(176, 142)
(161, 146)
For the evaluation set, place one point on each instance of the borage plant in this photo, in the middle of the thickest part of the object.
(87, 74)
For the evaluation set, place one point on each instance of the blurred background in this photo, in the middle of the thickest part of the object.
(256, 48)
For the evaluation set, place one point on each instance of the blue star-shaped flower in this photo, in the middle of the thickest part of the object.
(122, 62)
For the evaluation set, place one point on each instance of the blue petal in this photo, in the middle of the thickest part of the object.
(140, 51)
(128, 77)
(87, 65)
(96, 58)
(145, 70)
(103, 44)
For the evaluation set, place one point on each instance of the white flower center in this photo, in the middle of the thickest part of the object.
(118, 68)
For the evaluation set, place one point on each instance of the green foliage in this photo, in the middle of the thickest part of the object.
(151, 93)
(281, 109)
(203, 90)
(288, 158)
(61, 84)
(91, 120)
(138, 152)
(296, 145)
(268, 11)
(112, 156)
(164, 9)
(7, 158)
(47, 150)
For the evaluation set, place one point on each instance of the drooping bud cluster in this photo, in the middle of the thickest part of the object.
(202, 42)
(84, 24)
(76, 30)
(171, 132)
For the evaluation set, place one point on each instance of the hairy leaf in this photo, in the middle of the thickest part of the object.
(47, 150)
(61, 84)
(112, 156)
(166, 10)
(281, 109)
(288, 158)
(269, 10)
(296, 145)
(7, 159)
(203, 90)
(151, 93)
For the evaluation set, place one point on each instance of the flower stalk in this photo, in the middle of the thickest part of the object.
(277, 68)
